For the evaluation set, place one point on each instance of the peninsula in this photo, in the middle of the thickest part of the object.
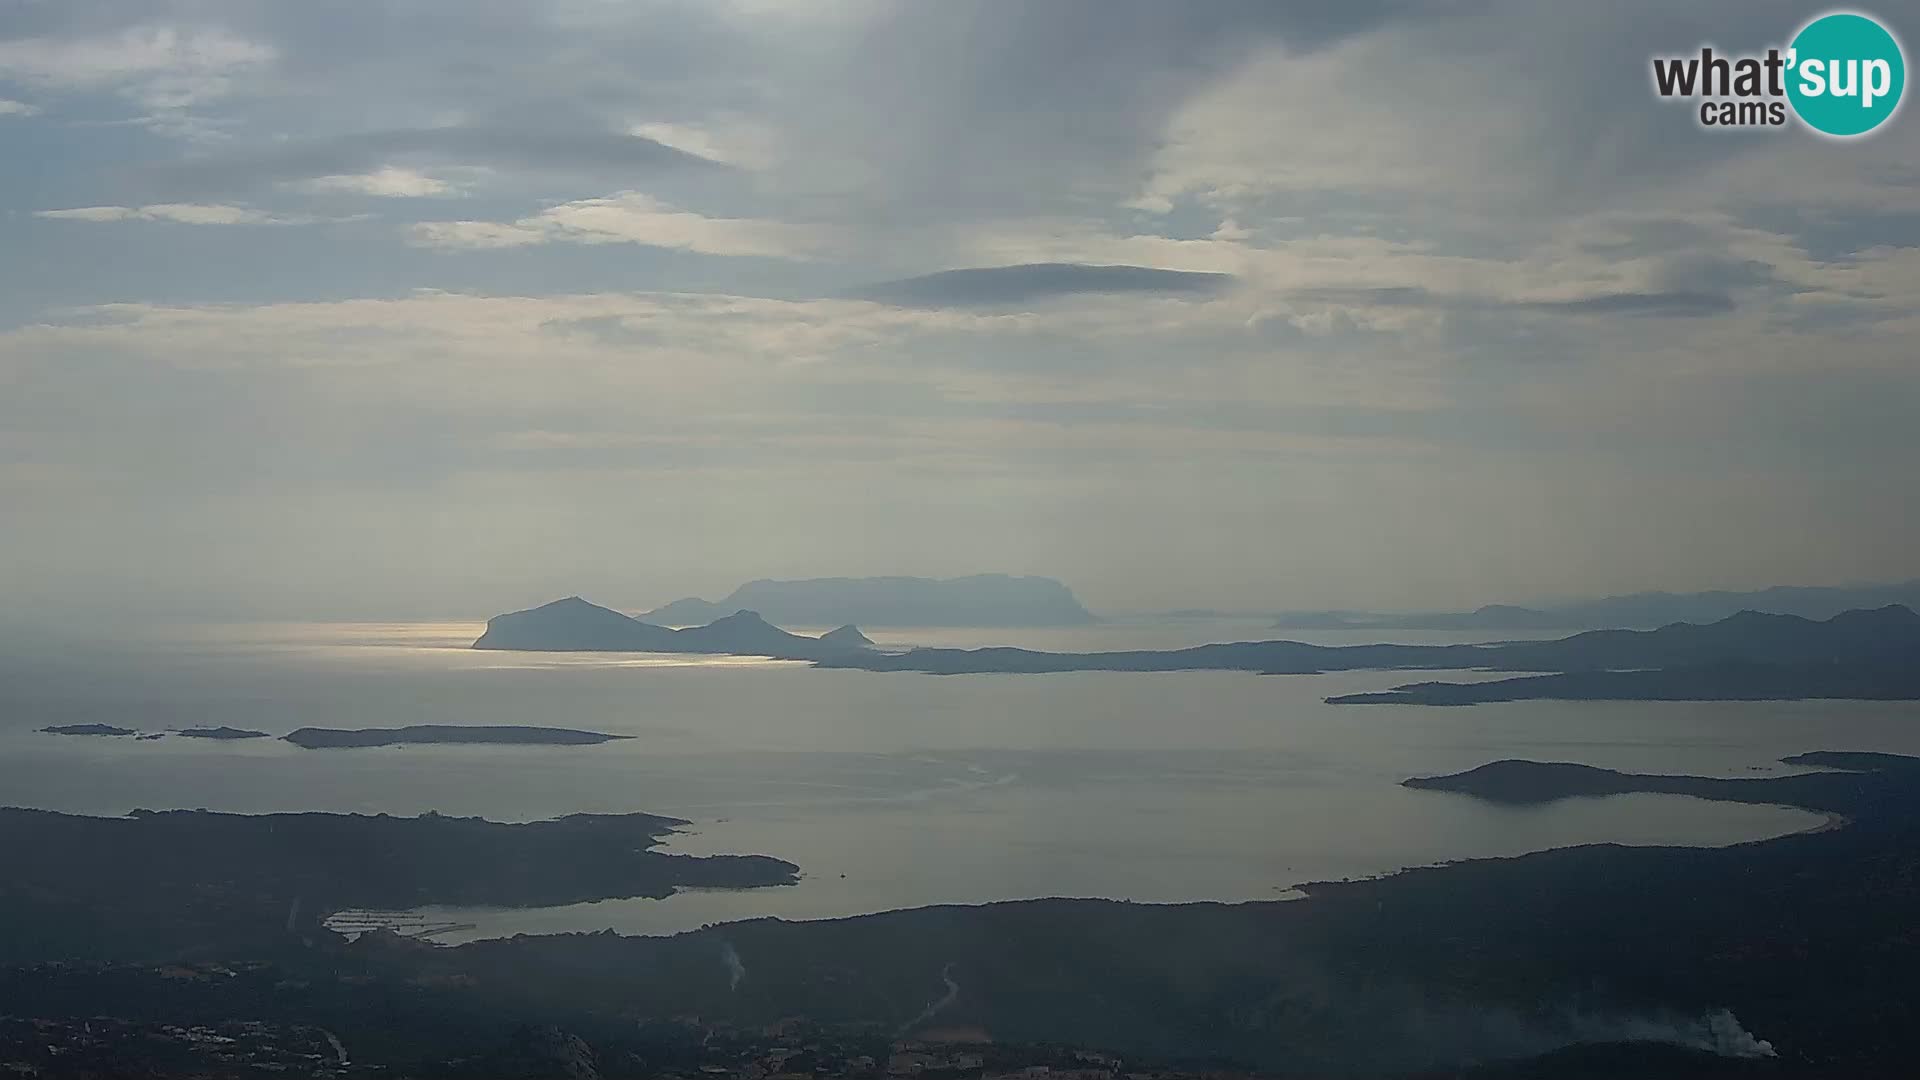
(1851, 780)
(1710, 682)
(317, 738)
(174, 883)
(1790, 957)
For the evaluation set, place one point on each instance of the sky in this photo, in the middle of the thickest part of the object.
(445, 307)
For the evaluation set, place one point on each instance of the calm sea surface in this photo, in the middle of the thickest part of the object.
(890, 790)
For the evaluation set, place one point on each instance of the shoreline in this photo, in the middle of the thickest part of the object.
(1276, 892)
(1444, 959)
(1833, 823)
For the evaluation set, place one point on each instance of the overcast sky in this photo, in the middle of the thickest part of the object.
(447, 307)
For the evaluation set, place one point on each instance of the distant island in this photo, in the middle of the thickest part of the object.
(87, 729)
(222, 732)
(1490, 617)
(1883, 637)
(1746, 656)
(977, 600)
(313, 738)
(1634, 611)
(574, 625)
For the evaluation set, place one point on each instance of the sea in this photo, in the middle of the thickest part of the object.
(888, 790)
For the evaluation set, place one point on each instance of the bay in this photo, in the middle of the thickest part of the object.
(889, 790)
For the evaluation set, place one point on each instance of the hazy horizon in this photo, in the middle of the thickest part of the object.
(335, 312)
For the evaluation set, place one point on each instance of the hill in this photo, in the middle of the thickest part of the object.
(174, 882)
(1750, 655)
(1882, 637)
(575, 625)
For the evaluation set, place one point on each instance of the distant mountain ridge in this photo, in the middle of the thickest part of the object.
(575, 625)
(976, 600)
(1746, 656)
(1640, 610)
(1879, 637)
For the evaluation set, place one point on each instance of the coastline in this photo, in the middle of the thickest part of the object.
(1364, 971)
(664, 917)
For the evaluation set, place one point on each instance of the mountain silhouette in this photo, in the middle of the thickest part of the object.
(1880, 637)
(575, 625)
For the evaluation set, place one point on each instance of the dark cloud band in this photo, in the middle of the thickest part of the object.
(989, 286)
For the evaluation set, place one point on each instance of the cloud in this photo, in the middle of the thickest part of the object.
(963, 110)
(630, 217)
(161, 67)
(16, 108)
(390, 182)
(1428, 113)
(1684, 304)
(730, 141)
(411, 409)
(1408, 249)
(525, 332)
(179, 213)
(1679, 302)
(513, 147)
(473, 235)
(996, 285)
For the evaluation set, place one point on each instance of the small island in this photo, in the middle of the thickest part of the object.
(313, 738)
(87, 729)
(222, 732)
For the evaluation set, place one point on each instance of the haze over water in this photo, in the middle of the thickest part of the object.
(891, 790)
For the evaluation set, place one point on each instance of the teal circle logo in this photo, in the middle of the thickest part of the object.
(1846, 74)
